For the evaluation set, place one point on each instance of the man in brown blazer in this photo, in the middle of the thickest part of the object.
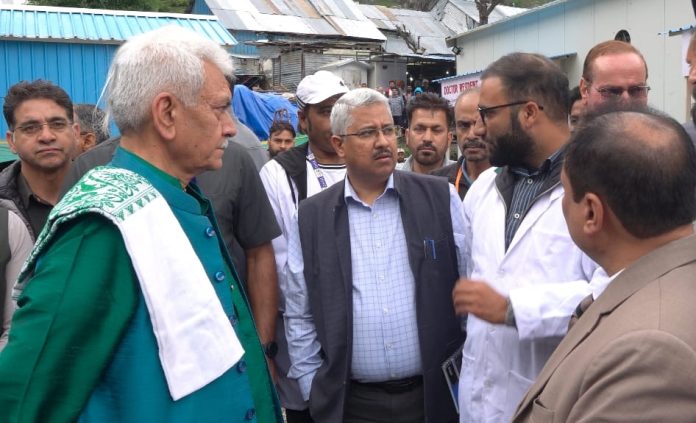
(629, 179)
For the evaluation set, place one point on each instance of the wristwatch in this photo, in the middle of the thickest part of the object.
(270, 349)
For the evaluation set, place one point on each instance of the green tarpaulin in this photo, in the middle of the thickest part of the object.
(5, 154)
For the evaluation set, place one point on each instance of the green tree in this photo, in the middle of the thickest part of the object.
(178, 6)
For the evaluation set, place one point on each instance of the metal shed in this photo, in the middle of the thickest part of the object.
(73, 47)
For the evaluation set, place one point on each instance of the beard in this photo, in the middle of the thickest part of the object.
(513, 148)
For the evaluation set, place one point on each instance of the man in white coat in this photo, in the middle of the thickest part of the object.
(525, 273)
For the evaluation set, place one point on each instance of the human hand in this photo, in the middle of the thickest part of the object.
(479, 299)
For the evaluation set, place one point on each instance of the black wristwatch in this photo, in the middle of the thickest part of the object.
(270, 349)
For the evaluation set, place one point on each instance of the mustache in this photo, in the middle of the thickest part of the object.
(427, 144)
(474, 144)
(382, 152)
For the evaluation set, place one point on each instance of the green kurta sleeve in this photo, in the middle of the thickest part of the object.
(71, 317)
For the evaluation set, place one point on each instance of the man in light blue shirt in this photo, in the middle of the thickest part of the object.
(372, 266)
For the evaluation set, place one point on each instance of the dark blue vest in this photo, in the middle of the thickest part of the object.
(425, 212)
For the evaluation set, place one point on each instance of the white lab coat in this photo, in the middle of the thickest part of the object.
(275, 181)
(545, 276)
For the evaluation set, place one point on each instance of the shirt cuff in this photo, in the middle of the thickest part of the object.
(510, 315)
(305, 383)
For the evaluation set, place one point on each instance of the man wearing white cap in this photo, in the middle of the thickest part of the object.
(291, 177)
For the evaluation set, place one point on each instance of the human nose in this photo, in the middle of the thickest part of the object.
(470, 133)
(479, 128)
(692, 74)
(46, 133)
(229, 127)
(381, 139)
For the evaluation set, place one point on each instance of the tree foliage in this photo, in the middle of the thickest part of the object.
(178, 6)
(426, 5)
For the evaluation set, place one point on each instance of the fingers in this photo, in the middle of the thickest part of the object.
(465, 295)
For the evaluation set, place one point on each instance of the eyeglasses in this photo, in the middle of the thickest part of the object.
(33, 128)
(637, 91)
(371, 134)
(484, 111)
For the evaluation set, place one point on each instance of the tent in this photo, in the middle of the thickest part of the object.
(256, 110)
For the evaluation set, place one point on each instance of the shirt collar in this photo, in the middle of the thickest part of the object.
(545, 167)
(189, 200)
(23, 190)
(600, 281)
(465, 173)
(349, 192)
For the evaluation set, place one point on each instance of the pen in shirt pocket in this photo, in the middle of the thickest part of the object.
(429, 249)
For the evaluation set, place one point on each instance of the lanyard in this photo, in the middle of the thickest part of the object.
(317, 171)
(459, 178)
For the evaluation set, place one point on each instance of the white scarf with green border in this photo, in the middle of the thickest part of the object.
(196, 342)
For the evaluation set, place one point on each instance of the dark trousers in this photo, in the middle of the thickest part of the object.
(295, 416)
(369, 404)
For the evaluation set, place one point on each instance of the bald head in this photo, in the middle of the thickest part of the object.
(641, 163)
(466, 114)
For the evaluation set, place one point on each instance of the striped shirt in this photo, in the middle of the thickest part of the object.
(526, 191)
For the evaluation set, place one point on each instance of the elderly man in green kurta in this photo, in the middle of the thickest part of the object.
(131, 310)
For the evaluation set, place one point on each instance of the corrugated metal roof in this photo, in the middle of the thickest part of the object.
(462, 15)
(344, 62)
(429, 30)
(339, 18)
(98, 26)
(524, 12)
(425, 30)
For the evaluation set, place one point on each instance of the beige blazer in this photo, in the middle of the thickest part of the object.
(632, 356)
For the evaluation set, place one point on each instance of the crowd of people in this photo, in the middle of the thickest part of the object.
(177, 273)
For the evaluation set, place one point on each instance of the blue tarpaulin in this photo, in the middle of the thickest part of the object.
(256, 110)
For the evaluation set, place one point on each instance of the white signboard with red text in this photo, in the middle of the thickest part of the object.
(451, 88)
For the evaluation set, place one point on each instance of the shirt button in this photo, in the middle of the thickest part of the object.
(250, 414)
(209, 232)
(241, 366)
(233, 320)
(529, 181)
(389, 346)
(219, 276)
(386, 310)
(381, 276)
(516, 215)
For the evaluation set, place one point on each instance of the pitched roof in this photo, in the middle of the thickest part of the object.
(332, 18)
(98, 26)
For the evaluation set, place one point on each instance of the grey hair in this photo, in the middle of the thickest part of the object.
(342, 112)
(91, 118)
(167, 59)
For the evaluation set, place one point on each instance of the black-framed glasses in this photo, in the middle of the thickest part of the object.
(483, 111)
(33, 128)
(371, 134)
(636, 91)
